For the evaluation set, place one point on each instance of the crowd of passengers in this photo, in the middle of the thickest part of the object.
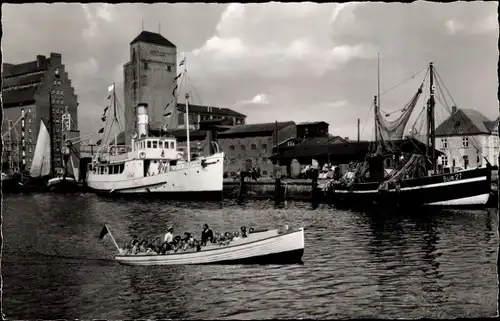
(174, 244)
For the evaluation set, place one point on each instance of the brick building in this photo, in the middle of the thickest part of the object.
(26, 89)
(252, 145)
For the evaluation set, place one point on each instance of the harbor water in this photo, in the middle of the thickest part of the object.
(430, 263)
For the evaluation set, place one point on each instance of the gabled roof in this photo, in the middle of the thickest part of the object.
(205, 110)
(252, 129)
(493, 125)
(464, 122)
(153, 38)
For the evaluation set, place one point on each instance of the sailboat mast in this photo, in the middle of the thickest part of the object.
(51, 119)
(432, 124)
(378, 79)
(188, 146)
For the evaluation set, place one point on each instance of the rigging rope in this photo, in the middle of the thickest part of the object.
(407, 79)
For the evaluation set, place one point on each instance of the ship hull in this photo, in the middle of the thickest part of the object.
(202, 178)
(464, 188)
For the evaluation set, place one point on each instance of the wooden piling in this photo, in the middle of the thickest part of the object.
(277, 191)
(241, 190)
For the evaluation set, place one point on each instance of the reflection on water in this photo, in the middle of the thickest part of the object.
(437, 264)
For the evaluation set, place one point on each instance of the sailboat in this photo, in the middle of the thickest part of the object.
(416, 180)
(155, 165)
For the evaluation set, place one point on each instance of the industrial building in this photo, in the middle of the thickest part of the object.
(29, 91)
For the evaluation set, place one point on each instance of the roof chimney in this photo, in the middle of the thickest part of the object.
(453, 109)
(346, 138)
(39, 61)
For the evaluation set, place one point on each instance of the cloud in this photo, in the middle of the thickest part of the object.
(259, 99)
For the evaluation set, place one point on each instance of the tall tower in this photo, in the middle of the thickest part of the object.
(149, 78)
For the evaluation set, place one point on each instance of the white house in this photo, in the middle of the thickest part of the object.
(466, 138)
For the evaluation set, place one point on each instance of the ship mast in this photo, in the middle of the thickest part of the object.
(431, 135)
(377, 101)
(188, 147)
(51, 140)
(114, 111)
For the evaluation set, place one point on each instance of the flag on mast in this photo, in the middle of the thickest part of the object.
(104, 232)
(182, 62)
(110, 90)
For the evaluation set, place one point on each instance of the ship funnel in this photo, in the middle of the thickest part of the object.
(142, 120)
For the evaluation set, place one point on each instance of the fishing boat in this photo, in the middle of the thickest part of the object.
(155, 165)
(261, 247)
(416, 179)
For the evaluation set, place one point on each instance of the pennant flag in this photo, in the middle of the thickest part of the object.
(111, 88)
(177, 77)
(167, 114)
(98, 142)
(173, 91)
(106, 109)
(182, 62)
(103, 118)
(104, 232)
(101, 131)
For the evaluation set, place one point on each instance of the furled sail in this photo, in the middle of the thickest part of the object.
(40, 166)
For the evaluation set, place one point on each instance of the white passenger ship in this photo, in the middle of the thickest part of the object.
(154, 165)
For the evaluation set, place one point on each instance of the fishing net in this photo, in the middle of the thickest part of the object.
(394, 130)
(414, 167)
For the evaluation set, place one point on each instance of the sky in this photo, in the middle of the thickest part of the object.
(274, 61)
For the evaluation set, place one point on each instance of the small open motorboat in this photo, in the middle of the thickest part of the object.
(266, 247)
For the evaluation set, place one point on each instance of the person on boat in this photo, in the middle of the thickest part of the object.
(243, 231)
(206, 235)
(236, 236)
(157, 244)
(169, 237)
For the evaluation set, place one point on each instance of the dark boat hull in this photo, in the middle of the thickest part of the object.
(464, 188)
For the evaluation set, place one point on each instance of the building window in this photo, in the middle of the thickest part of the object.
(445, 160)
(29, 130)
(264, 146)
(181, 119)
(253, 146)
(264, 173)
(146, 65)
(444, 142)
(232, 161)
(243, 147)
(169, 68)
(454, 162)
(465, 141)
(231, 147)
(149, 144)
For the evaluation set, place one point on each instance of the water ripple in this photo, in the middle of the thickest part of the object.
(437, 264)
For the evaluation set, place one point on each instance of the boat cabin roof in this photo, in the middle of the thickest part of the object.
(156, 142)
